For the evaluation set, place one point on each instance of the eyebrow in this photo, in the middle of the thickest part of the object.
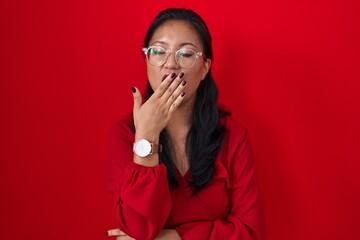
(187, 43)
(181, 45)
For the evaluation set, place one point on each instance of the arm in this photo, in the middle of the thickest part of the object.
(141, 194)
(245, 218)
(165, 234)
(139, 185)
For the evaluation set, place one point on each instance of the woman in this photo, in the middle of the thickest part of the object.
(180, 167)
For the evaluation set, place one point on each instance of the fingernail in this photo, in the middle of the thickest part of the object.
(133, 89)
(165, 77)
(173, 75)
(106, 233)
(183, 94)
(183, 83)
(181, 75)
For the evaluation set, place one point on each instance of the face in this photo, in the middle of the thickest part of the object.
(173, 35)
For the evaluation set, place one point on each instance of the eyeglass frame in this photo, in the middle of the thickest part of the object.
(169, 51)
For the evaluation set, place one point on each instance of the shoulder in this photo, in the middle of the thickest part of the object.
(122, 128)
(125, 122)
(236, 155)
(236, 141)
(233, 129)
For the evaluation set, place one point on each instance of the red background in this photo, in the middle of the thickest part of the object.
(288, 71)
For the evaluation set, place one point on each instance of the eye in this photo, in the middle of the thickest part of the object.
(185, 53)
(157, 51)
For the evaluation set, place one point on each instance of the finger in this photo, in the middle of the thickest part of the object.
(177, 102)
(124, 238)
(115, 232)
(173, 86)
(137, 98)
(164, 85)
(176, 93)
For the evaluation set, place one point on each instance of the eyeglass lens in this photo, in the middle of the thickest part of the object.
(184, 57)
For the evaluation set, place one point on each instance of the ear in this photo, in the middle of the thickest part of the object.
(206, 68)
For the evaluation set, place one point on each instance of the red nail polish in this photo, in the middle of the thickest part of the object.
(181, 75)
(183, 94)
(173, 75)
(133, 89)
(183, 83)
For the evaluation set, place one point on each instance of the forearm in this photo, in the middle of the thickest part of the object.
(168, 234)
(143, 202)
(232, 228)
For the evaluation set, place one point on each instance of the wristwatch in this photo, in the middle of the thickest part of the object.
(143, 148)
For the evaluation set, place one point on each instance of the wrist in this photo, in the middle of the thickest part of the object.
(152, 137)
(144, 148)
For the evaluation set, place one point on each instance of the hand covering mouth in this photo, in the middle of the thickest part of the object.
(164, 76)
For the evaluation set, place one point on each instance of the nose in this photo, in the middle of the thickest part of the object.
(170, 61)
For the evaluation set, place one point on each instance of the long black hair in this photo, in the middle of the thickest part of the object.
(205, 136)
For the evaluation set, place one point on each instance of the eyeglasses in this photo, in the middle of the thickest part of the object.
(184, 57)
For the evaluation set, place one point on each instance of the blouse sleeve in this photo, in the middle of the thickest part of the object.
(142, 196)
(245, 220)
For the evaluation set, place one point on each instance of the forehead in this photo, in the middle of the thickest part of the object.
(175, 33)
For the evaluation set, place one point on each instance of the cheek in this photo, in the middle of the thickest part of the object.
(153, 77)
(196, 75)
(199, 71)
(193, 79)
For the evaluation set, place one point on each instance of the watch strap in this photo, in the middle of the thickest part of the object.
(156, 148)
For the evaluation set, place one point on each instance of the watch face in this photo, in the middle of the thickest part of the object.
(142, 148)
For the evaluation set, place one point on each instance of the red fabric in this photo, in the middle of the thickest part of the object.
(229, 208)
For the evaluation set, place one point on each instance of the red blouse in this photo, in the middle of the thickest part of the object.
(229, 208)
